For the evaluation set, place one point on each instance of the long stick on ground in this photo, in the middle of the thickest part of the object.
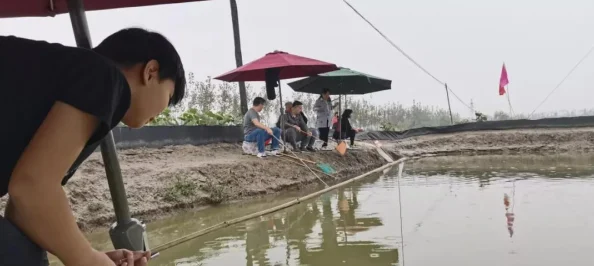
(268, 211)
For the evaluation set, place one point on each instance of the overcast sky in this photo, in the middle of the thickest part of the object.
(462, 42)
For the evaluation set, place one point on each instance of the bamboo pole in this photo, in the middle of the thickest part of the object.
(268, 211)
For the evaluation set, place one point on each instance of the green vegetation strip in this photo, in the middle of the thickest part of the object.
(268, 211)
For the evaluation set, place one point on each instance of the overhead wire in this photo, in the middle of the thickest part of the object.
(408, 56)
(562, 81)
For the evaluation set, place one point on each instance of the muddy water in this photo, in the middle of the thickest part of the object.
(453, 213)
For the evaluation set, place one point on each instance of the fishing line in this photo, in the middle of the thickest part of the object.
(563, 80)
(283, 206)
(400, 168)
(408, 56)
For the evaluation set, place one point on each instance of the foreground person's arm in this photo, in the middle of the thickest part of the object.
(39, 205)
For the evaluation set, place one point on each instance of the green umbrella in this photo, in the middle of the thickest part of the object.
(342, 82)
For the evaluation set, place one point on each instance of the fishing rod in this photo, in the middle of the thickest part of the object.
(284, 146)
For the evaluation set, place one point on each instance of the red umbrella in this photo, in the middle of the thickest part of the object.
(276, 66)
(44, 8)
(290, 66)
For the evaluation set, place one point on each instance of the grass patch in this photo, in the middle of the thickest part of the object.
(217, 193)
(180, 189)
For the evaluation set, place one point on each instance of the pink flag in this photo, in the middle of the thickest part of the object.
(503, 81)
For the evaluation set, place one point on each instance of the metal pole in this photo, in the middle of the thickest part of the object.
(339, 118)
(511, 109)
(108, 151)
(449, 106)
(282, 109)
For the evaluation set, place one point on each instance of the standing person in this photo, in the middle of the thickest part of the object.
(62, 102)
(255, 131)
(296, 129)
(323, 108)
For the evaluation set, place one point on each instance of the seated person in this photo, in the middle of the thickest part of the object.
(314, 131)
(346, 130)
(296, 129)
(254, 131)
(288, 105)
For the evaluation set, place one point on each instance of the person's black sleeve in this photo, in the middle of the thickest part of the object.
(304, 117)
(95, 86)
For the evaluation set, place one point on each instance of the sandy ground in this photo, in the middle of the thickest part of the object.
(159, 181)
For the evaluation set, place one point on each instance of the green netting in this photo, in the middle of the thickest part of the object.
(326, 168)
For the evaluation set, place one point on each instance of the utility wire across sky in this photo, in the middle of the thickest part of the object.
(408, 56)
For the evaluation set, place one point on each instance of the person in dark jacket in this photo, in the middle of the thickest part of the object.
(288, 110)
(296, 129)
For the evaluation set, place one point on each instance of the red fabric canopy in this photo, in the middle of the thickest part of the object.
(44, 8)
(291, 66)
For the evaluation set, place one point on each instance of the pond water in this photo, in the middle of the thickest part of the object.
(483, 210)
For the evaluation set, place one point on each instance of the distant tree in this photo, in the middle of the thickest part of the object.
(500, 115)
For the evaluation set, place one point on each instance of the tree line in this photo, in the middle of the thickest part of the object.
(210, 102)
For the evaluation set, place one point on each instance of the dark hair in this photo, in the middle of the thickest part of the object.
(347, 113)
(297, 103)
(324, 91)
(132, 46)
(258, 100)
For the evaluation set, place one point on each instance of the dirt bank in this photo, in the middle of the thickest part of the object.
(171, 178)
(161, 180)
(498, 142)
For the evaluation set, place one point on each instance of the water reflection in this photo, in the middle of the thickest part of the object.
(451, 216)
(484, 169)
(326, 231)
(509, 215)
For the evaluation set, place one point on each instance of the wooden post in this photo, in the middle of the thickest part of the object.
(449, 106)
(238, 57)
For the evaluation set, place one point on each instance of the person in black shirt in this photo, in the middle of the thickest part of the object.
(59, 103)
(346, 130)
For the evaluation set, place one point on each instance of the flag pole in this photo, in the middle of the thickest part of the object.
(449, 106)
(511, 109)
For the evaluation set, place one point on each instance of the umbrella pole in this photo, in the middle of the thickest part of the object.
(126, 233)
(282, 112)
(339, 118)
